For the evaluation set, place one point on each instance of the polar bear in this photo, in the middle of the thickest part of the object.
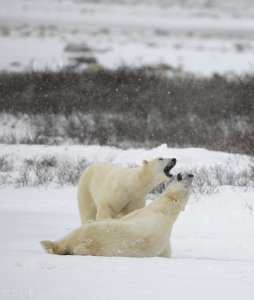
(142, 233)
(108, 190)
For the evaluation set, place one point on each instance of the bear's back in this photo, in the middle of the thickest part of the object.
(103, 175)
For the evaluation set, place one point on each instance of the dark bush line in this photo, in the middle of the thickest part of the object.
(125, 90)
(137, 107)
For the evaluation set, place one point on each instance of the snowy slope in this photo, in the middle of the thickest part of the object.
(212, 240)
(186, 36)
(189, 157)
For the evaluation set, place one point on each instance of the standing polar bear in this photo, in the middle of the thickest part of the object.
(108, 190)
(143, 233)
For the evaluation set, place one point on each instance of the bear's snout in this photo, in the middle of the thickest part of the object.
(169, 166)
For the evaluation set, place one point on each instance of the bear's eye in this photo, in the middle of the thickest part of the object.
(179, 177)
(160, 158)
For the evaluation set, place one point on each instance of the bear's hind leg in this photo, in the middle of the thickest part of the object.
(53, 248)
(87, 208)
(87, 247)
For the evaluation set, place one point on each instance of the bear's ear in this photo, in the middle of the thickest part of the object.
(175, 201)
(145, 162)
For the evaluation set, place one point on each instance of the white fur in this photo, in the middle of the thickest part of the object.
(108, 190)
(142, 233)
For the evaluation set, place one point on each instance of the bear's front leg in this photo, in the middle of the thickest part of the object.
(166, 252)
(104, 211)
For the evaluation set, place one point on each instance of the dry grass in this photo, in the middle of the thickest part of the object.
(132, 108)
(48, 170)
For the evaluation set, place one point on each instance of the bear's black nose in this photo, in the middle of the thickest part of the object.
(173, 160)
(190, 175)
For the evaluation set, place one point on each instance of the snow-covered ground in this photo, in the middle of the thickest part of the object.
(212, 241)
(188, 158)
(197, 37)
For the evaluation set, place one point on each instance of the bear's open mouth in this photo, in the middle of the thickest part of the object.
(168, 168)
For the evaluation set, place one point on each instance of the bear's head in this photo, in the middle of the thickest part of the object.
(179, 190)
(160, 168)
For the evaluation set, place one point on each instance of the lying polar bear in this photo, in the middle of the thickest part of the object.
(108, 190)
(142, 233)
